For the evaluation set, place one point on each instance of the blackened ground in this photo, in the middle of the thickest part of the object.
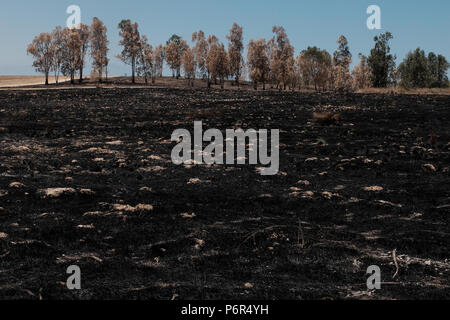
(140, 227)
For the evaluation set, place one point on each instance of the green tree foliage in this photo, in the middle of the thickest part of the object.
(421, 71)
(437, 69)
(414, 70)
(174, 38)
(381, 61)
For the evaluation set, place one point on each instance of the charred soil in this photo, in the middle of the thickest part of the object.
(86, 179)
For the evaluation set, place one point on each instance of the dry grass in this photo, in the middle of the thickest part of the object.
(169, 82)
(326, 118)
(18, 81)
(400, 90)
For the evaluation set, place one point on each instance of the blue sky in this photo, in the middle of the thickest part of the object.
(414, 23)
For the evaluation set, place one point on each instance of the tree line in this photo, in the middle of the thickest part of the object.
(269, 62)
(64, 50)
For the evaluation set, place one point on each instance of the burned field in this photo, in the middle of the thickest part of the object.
(86, 179)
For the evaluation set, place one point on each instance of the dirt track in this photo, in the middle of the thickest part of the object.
(360, 189)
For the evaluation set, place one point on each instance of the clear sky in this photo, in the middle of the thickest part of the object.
(414, 23)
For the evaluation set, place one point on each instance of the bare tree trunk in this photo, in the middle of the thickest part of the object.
(46, 78)
(81, 73)
(133, 65)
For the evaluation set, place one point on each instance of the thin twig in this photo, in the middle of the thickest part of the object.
(253, 235)
(300, 234)
(394, 256)
(385, 283)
